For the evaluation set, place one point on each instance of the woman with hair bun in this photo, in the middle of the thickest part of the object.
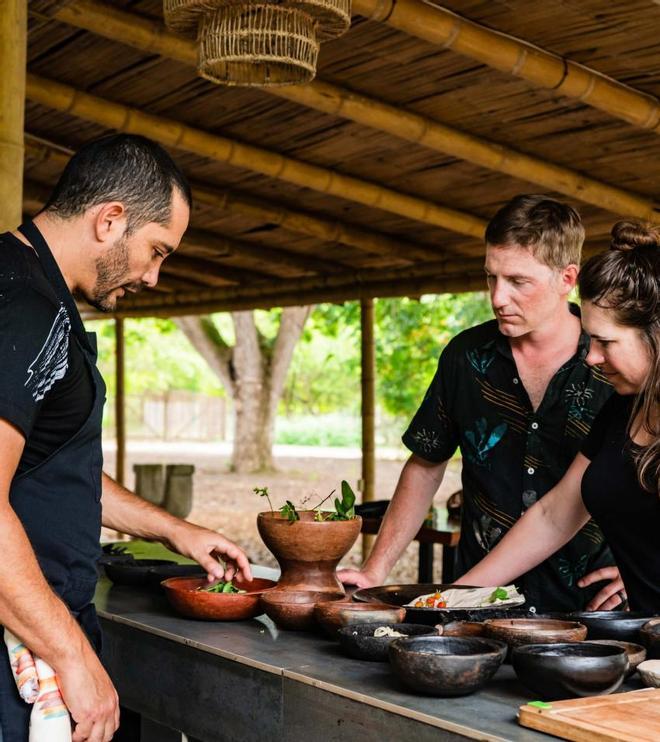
(616, 477)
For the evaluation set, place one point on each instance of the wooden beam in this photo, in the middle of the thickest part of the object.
(368, 412)
(152, 37)
(299, 222)
(210, 273)
(13, 43)
(120, 400)
(438, 25)
(171, 133)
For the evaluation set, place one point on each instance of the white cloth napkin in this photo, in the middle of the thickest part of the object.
(37, 684)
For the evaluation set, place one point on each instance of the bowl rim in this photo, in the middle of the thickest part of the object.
(518, 624)
(496, 647)
(538, 649)
(278, 517)
(169, 584)
(427, 630)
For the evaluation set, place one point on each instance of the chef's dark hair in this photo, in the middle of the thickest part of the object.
(127, 168)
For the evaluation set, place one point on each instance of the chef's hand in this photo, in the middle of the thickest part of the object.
(90, 697)
(610, 596)
(359, 577)
(206, 547)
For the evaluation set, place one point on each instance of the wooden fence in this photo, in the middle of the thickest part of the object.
(174, 415)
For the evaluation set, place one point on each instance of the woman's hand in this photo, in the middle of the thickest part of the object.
(612, 595)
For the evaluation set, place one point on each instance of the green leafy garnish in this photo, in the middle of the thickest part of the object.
(263, 492)
(289, 511)
(498, 594)
(344, 508)
(221, 587)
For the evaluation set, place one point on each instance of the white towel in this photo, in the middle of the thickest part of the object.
(37, 684)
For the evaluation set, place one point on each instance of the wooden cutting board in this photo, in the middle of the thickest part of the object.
(625, 717)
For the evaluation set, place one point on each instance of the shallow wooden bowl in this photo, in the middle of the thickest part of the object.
(515, 632)
(294, 609)
(636, 652)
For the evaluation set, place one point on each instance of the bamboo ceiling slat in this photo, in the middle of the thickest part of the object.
(171, 133)
(149, 36)
(263, 211)
(434, 23)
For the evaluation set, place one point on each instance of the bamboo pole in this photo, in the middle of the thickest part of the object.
(299, 222)
(438, 25)
(174, 134)
(120, 400)
(13, 44)
(368, 383)
(150, 36)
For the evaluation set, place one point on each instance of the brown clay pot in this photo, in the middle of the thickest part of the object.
(308, 552)
(294, 609)
(519, 631)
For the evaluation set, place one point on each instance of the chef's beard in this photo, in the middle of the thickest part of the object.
(112, 270)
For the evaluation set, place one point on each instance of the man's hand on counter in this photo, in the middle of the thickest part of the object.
(206, 547)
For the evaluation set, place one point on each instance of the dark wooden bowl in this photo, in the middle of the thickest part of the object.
(358, 640)
(578, 669)
(135, 572)
(186, 598)
(518, 631)
(636, 652)
(333, 616)
(463, 628)
(650, 636)
(293, 610)
(621, 625)
(446, 665)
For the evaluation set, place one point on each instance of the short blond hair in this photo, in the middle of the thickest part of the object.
(550, 230)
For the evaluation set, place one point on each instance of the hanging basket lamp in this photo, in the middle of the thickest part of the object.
(257, 45)
(333, 17)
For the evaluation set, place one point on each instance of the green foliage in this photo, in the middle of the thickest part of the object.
(289, 511)
(344, 508)
(158, 358)
(263, 492)
(339, 430)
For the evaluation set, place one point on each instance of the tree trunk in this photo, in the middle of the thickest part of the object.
(253, 373)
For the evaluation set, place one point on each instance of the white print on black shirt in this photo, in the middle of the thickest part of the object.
(51, 363)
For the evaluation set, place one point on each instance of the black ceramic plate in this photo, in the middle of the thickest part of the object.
(401, 594)
(621, 625)
(135, 573)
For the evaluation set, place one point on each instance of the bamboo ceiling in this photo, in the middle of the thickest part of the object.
(378, 178)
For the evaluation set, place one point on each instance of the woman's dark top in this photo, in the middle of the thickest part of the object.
(628, 515)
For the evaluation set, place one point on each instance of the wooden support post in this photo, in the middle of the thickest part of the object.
(120, 401)
(368, 410)
(13, 44)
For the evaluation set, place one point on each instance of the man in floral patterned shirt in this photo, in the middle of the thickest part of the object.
(515, 395)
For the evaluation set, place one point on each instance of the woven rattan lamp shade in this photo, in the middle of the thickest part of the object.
(256, 45)
(333, 17)
(183, 16)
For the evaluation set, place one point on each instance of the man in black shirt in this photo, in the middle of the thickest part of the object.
(120, 207)
(517, 397)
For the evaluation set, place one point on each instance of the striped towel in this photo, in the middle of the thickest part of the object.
(37, 684)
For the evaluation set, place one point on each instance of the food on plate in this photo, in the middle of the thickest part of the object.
(475, 597)
(387, 631)
(220, 587)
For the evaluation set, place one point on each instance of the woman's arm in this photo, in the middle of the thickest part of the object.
(542, 530)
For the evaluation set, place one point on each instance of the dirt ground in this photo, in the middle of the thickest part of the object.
(224, 501)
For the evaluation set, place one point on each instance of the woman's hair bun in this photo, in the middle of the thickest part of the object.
(627, 235)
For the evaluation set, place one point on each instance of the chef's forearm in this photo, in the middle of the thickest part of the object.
(418, 483)
(29, 608)
(124, 511)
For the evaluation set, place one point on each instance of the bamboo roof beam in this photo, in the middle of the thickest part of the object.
(152, 37)
(438, 25)
(171, 133)
(299, 222)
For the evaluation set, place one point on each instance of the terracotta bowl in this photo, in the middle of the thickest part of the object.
(649, 671)
(446, 665)
(636, 652)
(294, 609)
(650, 636)
(186, 598)
(334, 616)
(358, 640)
(463, 628)
(308, 552)
(515, 632)
(578, 669)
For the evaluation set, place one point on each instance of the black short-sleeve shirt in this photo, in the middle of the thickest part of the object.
(512, 455)
(628, 514)
(45, 388)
